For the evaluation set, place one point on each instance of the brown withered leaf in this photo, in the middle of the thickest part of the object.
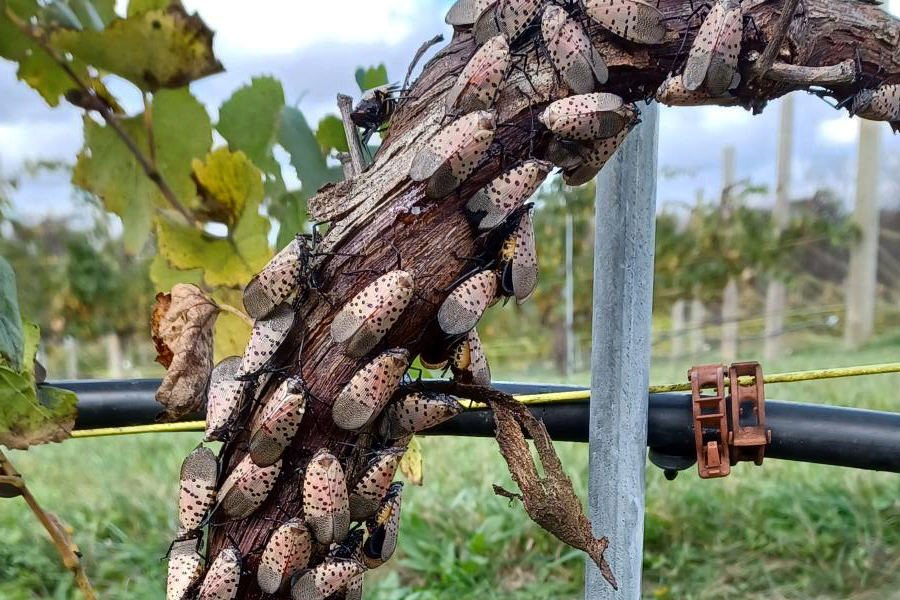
(182, 329)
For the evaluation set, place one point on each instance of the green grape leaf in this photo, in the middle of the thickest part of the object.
(248, 120)
(164, 276)
(106, 168)
(225, 180)
(155, 49)
(371, 77)
(296, 137)
(290, 211)
(30, 415)
(136, 7)
(226, 261)
(11, 335)
(330, 134)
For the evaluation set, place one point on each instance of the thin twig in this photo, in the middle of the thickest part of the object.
(68, 552)
(148, 123)
(422, 50)
(767, 58)
(344, 159)
(236, 312)
(101, 107)
(840, 74)
(357, 162)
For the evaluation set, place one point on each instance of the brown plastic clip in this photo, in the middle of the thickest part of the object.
(748, 436)
(709, 419)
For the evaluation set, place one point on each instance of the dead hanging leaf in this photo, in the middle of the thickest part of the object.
(182, 328)
(550, 499)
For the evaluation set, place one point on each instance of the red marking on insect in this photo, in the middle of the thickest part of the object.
(197, 492)
(222, 578)
(325, 501)
(374, 483)
(245, 489)
(572, 52)
(285, 554)
(365, 395)
(479, 82)
(278, 422)
(266, 338)
(469, 363)
(493, 203)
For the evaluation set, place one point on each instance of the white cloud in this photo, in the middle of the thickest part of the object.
(839, 130)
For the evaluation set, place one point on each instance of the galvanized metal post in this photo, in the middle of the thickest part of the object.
(620, 355)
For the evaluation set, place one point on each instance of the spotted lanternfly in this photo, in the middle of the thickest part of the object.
(329, 577)
(673, 93)
(880, 104)
(469, 363)
(197, 489)
(497, 200)
(518, 261)
(371, 488)
(572, 52)
(416, 412)
(712, 61)
(279, 422)
(634, 20)
(325, 501)
(588, 116)
(185, 568)
(507, 17)
(581, 161)
(267, 336)
(375, 109)
(286, 553)
(462, 309)
(245, 489)
(279, 279)
(222, 579)
(383, 529)
(479, 82)
(365, 320)
(464, 13)
(354, 588)
(362, 399)
(223, 399)
(453, 153)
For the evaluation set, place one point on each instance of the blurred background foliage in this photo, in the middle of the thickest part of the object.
(786, 531)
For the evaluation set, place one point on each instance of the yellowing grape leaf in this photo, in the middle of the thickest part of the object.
(412, 465)
(225, 180)
(11, 334)
(154, 49)
(232, 332)
(248, 120)
(165, 277)
(30, 415)
(105, 166)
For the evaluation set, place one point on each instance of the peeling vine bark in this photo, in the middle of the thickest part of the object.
(382, 210)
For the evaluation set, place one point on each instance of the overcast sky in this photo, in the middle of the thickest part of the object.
(314, 48)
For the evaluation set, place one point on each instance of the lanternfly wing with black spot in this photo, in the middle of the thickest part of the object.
(383, 528)
(493, 203)
(453, 153)
(464, 13)
(633, 20)
(199, 472)
(374, 483)
(712, 61)
(245, 489)
(518, 267)
(325, 501)
(266, 338)
(588, 116)
(672, 92)
(879, 104)
(223, 398)
(581, 161)
(329, 577)
(355, 588)
(469, 362)
(462, 309)
(507, 17)
(279, 422)
(365, 320)
(185, 569)
(572, 52)
(416, 412)
(280, 278)
(362, 399)
(222, 578)
(477, 85)
(285, 554)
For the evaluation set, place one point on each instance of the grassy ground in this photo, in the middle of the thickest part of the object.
(784, 531)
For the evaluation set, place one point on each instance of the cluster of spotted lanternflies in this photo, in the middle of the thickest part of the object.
(587, 127)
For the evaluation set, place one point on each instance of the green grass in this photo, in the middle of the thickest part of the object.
(785, 531)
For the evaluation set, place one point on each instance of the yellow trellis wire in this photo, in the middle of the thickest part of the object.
(547, 398)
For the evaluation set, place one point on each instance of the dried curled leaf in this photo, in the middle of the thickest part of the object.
(182, 328)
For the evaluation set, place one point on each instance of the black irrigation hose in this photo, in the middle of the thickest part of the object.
(847, 437)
